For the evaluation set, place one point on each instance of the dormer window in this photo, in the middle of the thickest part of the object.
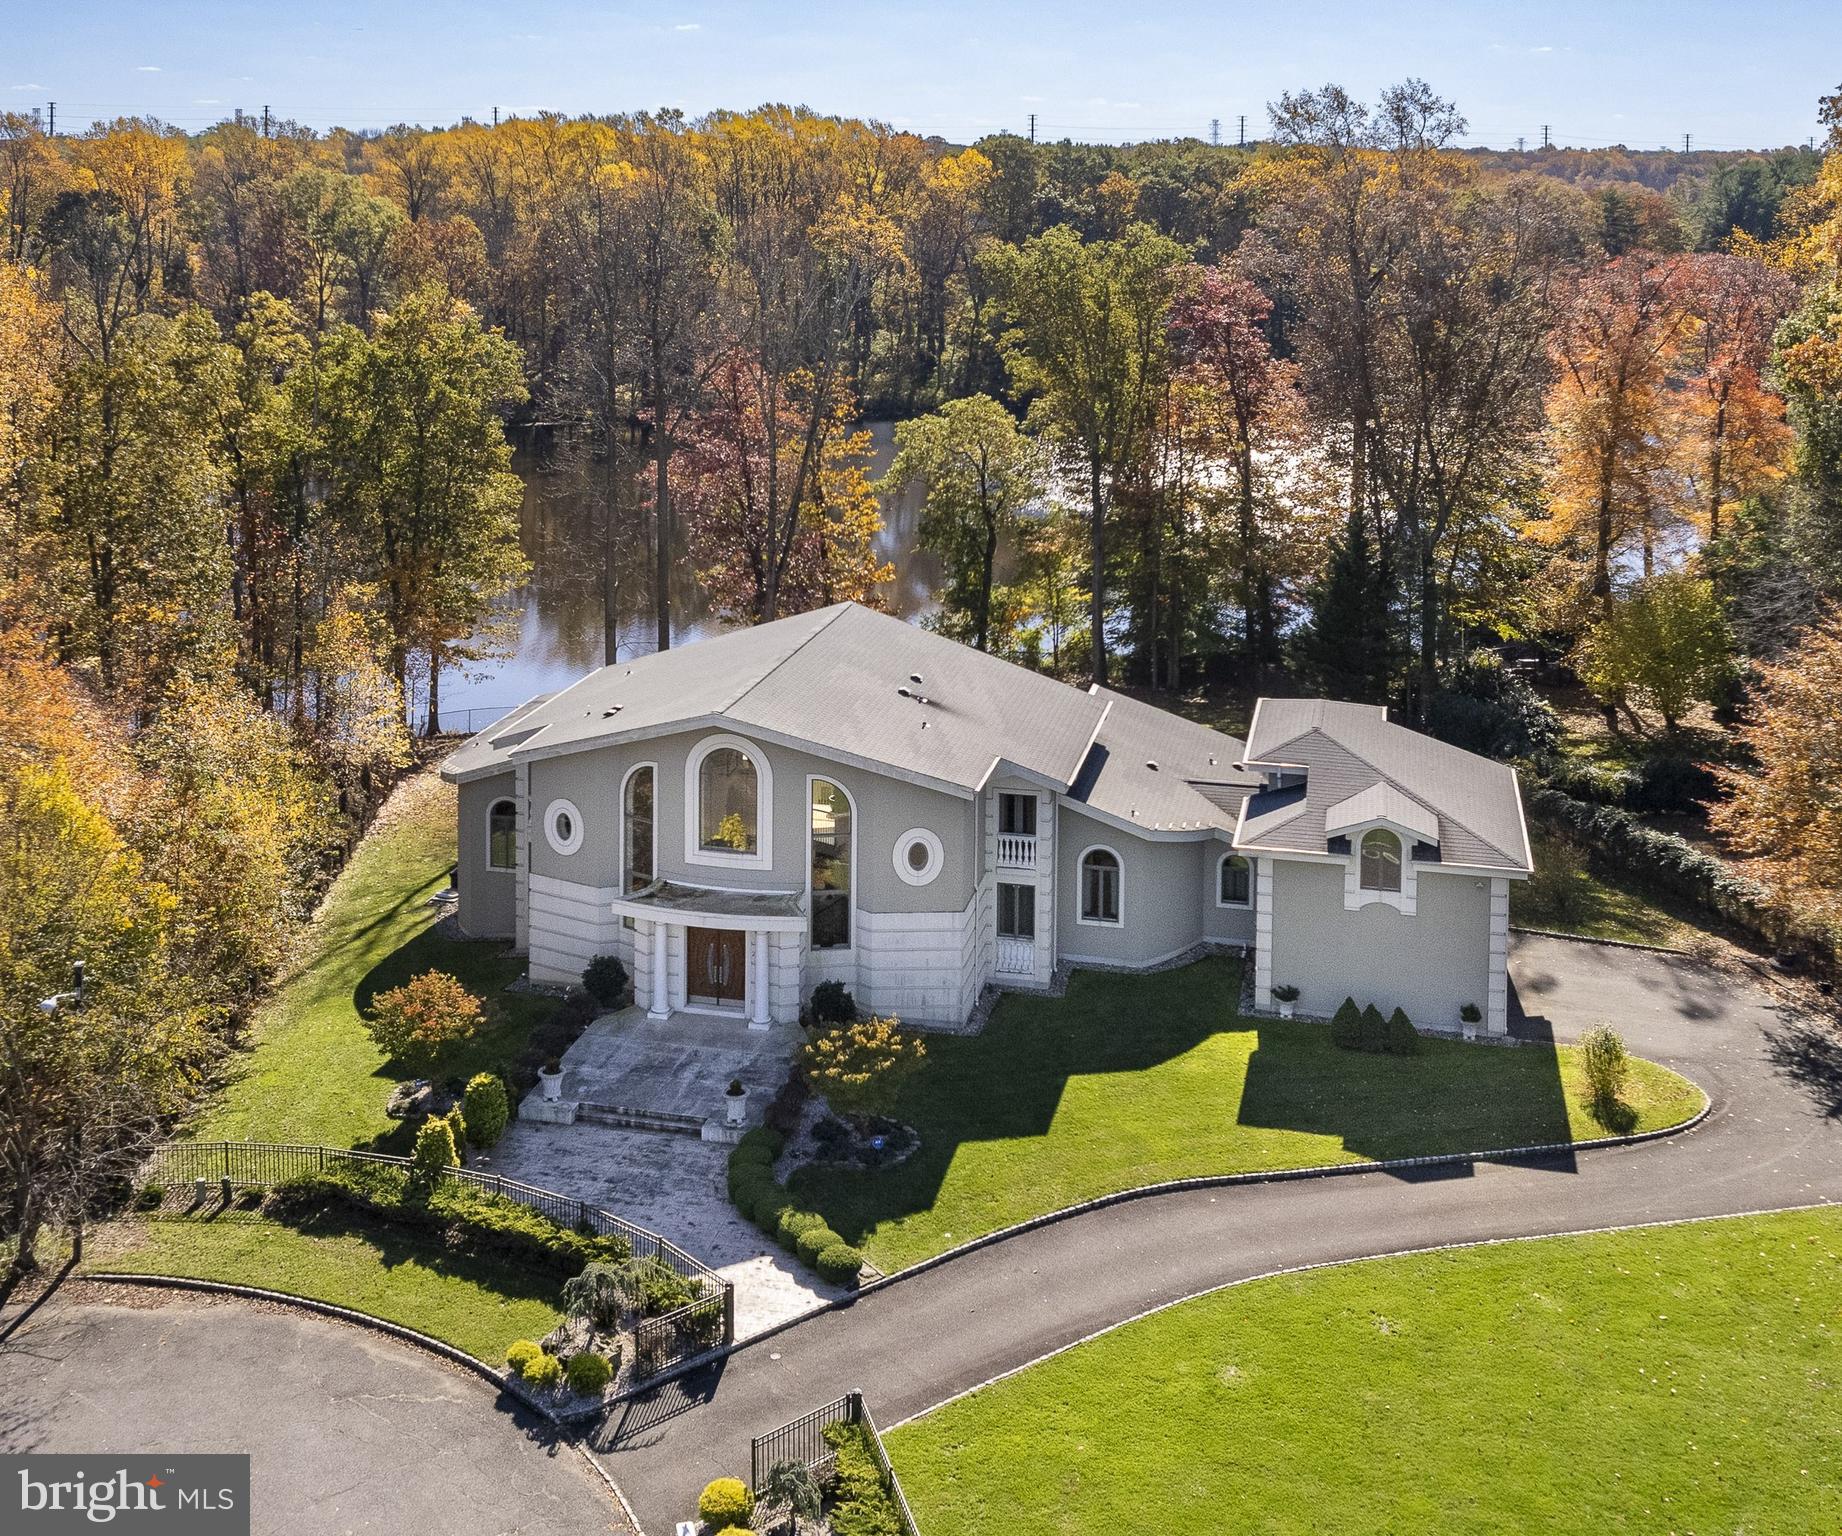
(1381, 860)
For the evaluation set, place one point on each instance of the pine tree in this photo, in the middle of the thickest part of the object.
(1350, 650)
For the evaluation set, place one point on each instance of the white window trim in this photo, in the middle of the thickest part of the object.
(763, 856)
(1080, 868)
(936, 857)
(561, 845)
(1234, 906)
(1356, 896)
(491, 806)
(620, 856)
(843, 951)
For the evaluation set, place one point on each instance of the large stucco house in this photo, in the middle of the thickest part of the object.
(843, 795)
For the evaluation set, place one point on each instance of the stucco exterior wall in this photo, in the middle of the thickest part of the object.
(1225, 925)
(1159, 898)
(1429, 963)
(488, 896)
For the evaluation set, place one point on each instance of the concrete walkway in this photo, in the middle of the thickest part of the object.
(1774, 1139)
(347, 1431)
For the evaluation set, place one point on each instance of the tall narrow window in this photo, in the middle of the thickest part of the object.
(502, 835)
(1016, 911)
(1236, 885)
(1100, 886)
(729, 808)
(636, 830)
(831, 866)
(1381, 861)
(1017, 815)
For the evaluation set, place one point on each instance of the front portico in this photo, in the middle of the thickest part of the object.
(701, 949)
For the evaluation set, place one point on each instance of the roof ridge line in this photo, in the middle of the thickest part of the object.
(749, 688)
(1420, 800)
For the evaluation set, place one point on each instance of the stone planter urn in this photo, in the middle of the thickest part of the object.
(551, 1077)
(735, 1103)
(1287, 999)
(1468, 1020)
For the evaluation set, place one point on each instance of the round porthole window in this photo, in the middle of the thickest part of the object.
(917, 856)
(563, 826)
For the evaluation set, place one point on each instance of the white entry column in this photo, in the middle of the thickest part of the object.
(660, 1006)
(1263, 932)
(762, 982)
(1496, 996)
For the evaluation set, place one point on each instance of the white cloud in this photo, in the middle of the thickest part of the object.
(689, 26)
(30, 85)
(147, 69)
(207, 101)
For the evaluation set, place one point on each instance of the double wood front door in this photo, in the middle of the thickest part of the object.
(716, 965)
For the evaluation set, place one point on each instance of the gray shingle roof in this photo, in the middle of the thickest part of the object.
(1197, 782)
(1347, 750)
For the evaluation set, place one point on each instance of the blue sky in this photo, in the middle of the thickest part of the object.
(1629, 71)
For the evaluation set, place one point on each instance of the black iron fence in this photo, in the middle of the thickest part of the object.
(803, 1440)
(661, 1342)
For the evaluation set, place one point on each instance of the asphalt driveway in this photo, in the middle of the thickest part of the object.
(347, 1431)
(1774, 1139)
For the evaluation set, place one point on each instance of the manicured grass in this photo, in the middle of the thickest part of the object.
(1132, 1080)
(314, 1075)
(1681, 1379)
(475, 1304)
(1566, 895)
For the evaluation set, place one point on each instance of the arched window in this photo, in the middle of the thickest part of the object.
(502, 835)
(636, 829)
(1100, 886)
(1234, 882)
(1381, 860)
(830, 811)
(729, 802)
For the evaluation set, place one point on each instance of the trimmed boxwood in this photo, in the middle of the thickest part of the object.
(520, 1353)
(588, 1373)
(839, 1263)
(792, 1224)
(1346, 1025)
(770, 1205)
(1374, 1030)
(814, 1241)
(762, 1140)
(725, 1501)
(861, 1502)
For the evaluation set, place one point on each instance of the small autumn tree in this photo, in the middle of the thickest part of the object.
(859, 1067)
(1665, 647)
(1786, 810)
(412, 1024)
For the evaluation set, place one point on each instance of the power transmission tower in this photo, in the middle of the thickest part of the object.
(54, 121)
(1032, 127)
(495, 117)
(1243, 130)
(265, 119)
(1685, 143)
(1519, 143)
(1546, 142)
(1215, 132)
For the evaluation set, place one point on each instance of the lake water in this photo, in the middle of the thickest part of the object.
(560, 634)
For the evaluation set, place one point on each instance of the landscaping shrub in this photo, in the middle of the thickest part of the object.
(859, 1066)
(1374, 1030)
(792, 1489)
(1484, 707)
(605, 980)
(839, 1263)
(793, 1223)
(1402, 1038)
(762, 1142)
(520, 1353)
(457, 1132)
(814, 1241)
(725, 1502)
(655, 1288)
(1669, 784)
(486, 1107)
(1603, 1059)
(1346, 1025)
(783, 1111)
(1589, 781)
(595, 1295)
(544, 1371)
(588, 1373)
(468, 1219)
(748, 1182)
(861, 1502)
(574, 1014)
(772, 1203)
(150, 1197)
(434, 1153)
(412, 1024)
(832, 1003)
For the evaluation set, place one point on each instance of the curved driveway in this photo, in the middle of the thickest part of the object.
(1774, 1139)
(346, 1430)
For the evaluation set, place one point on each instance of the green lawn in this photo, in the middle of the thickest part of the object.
(477, 1305)
(1565, 895)
(1132, 1080)
(1681, 1379)
(314, 1075)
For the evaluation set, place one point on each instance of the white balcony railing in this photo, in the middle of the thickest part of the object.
(1016, 957)
(1016, 851)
